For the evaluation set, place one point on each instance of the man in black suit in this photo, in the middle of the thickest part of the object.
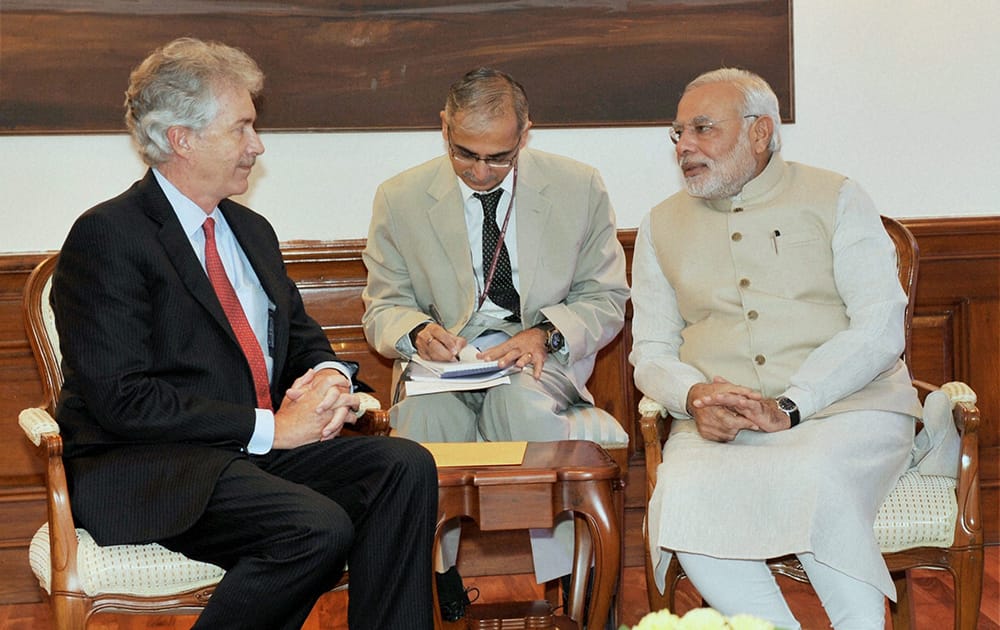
(169, 437)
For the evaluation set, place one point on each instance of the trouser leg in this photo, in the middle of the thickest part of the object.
(528, 409)
(850, 603)
(283, 526)
(282, 546)
(736, 587)
(389, 487)
(443, 417)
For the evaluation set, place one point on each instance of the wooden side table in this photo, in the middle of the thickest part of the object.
(569, 476)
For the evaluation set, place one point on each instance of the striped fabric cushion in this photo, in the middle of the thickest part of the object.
(592, 423)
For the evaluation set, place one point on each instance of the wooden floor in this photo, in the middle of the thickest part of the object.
(932, 592)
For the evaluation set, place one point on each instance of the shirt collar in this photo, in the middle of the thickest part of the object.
(188, 212)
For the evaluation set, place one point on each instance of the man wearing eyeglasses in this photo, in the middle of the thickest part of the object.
(537, 260)
(769, 321)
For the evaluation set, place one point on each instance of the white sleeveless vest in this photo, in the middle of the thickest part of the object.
(755, 285)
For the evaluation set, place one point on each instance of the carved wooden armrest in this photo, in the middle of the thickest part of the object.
(966, 416)
(372, 419)
(43, 431)
(654, 423)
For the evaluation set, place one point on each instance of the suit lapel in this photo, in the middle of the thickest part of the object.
(446, 217)
(179, 251)
(533, 210)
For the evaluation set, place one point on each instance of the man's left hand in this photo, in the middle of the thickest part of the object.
(337, 397)
(525, 348)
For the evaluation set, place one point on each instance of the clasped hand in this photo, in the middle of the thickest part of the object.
(722, 409)
(525, 348)
(315, 408)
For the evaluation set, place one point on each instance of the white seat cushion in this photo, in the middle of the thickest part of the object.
(919, 512)
(135, 569)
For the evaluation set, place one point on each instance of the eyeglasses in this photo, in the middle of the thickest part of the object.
(467, 158)
(702, 127)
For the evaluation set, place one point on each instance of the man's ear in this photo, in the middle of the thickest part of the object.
(524, 135)
(179, 139)
(760, 134)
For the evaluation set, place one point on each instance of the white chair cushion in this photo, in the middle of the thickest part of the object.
(919, 512)
(148, 570)
(592, 423)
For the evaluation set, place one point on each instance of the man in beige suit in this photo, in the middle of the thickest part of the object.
(547, 269)
(769, 321)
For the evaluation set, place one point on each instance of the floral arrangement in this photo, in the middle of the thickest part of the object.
(699, 619)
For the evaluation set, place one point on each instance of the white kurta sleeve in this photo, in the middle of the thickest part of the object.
(864, 266)
(656, 331)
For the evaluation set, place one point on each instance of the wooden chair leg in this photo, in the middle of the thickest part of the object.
(967, 570)
(656, 599)
(674, 575)
(902, 611)
(69, 613)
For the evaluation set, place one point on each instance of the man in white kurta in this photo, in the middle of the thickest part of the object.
(769, 321)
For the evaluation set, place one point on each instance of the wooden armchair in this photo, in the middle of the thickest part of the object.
(927, 521)
(81, 577)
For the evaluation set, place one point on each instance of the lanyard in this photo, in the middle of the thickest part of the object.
(500, 243)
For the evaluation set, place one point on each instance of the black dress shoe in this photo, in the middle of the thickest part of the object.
(453, 597)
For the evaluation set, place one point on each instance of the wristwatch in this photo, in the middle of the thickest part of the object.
(554, 340)
(416, 331)
(789, 408)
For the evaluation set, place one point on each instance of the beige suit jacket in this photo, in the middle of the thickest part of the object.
(571, 264)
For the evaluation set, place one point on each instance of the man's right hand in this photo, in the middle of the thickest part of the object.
(317, 407)
(714, 409)
(435, 343)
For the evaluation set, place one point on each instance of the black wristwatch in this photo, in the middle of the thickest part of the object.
(789, 408)
(554, 340)
(416, 331)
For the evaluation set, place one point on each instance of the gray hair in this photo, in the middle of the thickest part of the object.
(758, 97)
(175, 86)
(489, 94)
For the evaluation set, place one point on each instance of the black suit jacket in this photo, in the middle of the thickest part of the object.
(158, 397)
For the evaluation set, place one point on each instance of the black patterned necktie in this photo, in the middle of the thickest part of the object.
(501, 289)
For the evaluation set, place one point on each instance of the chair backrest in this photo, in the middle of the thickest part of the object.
(40, 325)
(907, 263)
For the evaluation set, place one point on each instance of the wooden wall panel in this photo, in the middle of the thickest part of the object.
(955, 337)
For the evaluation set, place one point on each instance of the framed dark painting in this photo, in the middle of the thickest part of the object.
(64, 64)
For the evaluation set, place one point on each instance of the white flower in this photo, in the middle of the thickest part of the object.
(659, 620)
(702, 619)
(699, 619)
(746, 622)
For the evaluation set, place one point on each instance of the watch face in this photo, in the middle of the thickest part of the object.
(786, 405)
(555, 341)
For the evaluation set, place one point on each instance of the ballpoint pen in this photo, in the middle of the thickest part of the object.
(435, 315)
(437, 320)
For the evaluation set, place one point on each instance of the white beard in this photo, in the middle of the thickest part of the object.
(725, 177)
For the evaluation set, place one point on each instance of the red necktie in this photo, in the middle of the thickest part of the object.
(237, 318)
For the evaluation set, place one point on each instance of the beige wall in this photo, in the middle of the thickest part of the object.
(900, 95)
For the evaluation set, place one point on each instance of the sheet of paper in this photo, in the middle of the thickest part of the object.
(416, 387)
(456, 369)
(466, 454)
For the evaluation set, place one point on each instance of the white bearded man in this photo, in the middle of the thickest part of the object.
(769, 321)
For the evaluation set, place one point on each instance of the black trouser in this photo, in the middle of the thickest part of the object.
(284, 524)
